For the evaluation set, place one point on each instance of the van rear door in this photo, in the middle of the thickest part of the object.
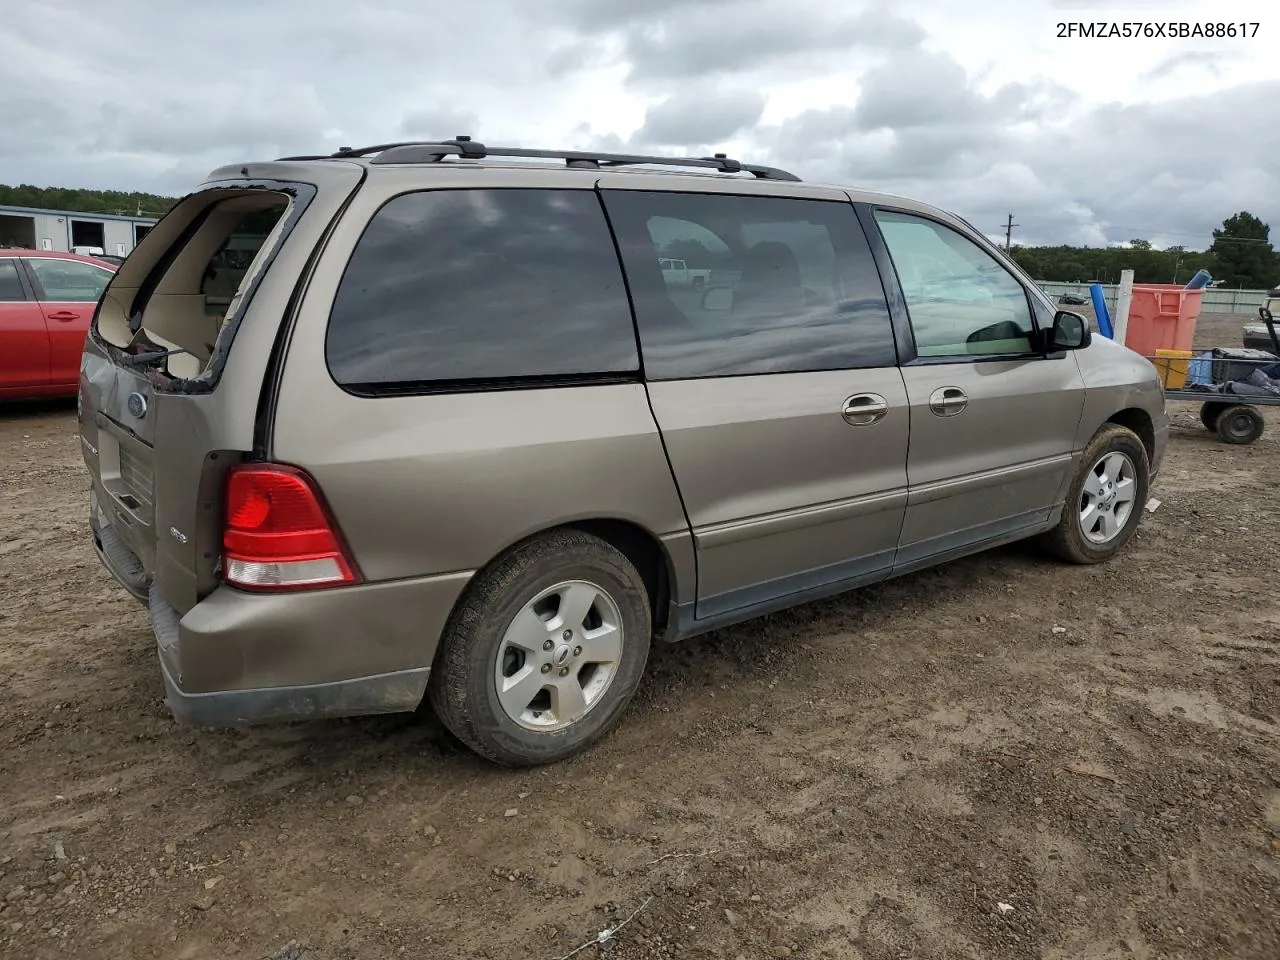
(177, 366)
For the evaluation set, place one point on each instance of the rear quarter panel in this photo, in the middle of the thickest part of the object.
(425, 485)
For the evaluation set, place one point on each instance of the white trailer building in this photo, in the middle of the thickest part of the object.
(37, 229)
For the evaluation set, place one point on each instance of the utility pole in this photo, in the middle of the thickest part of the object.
(1008, 231)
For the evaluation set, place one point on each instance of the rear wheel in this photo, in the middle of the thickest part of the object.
(544, 651)
(1240, 424)
(1104, 503)
(1209, 413)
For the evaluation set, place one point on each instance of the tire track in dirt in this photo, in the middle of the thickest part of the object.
(867, 777)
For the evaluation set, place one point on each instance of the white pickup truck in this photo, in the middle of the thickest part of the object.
(678, 274)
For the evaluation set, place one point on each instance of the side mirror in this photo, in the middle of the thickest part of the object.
(718, 299)
(1070, 331)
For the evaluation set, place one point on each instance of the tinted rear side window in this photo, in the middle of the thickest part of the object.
(457, 287)
(10, 285)
(772, 285)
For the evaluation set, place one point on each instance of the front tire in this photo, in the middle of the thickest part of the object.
(1105, 501)
(544, 651)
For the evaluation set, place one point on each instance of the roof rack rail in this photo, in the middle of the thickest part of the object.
(413, 151)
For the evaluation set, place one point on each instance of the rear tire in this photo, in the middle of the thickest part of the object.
(1105, 501)
(1239, 424)
(544, 650)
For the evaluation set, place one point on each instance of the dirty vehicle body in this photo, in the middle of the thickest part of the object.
(426, 419)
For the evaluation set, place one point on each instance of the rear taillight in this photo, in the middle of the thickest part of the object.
(278, 535)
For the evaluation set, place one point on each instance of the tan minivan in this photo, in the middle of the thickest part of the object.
(431, 419)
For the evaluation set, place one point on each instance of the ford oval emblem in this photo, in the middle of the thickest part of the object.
(137, 404)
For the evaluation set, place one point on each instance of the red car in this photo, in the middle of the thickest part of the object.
(46, 302)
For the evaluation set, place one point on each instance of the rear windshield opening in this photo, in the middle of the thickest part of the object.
(204, 282)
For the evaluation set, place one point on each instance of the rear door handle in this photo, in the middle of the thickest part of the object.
(64, 316)
(864, 409)
(948, 401)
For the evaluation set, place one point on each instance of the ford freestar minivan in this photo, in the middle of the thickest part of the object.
(432, 419)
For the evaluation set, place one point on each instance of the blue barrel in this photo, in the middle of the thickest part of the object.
(1200, 280)
(1100, 314)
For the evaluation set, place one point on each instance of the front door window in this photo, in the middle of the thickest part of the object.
(961, 300)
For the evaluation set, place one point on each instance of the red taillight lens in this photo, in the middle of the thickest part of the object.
(278, 534)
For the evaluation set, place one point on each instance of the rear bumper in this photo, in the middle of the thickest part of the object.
(388, 693)
(241, 658)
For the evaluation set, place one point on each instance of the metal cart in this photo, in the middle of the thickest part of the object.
(1228, 402)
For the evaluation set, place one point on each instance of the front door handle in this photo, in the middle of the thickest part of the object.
(864, 409)
(64, 316)
(948, 401)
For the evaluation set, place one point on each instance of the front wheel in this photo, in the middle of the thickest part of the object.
(1104, 503)
(544, 651)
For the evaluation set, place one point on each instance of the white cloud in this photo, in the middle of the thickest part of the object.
(1084, 140)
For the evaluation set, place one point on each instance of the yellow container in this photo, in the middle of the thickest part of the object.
(1173, 366)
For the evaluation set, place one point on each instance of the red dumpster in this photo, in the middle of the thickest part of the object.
(1162, 316)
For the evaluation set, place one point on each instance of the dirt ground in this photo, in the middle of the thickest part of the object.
(1005, 757)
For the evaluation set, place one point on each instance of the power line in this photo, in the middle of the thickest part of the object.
(1117, 244)
(1237, 240)
(1140, 231)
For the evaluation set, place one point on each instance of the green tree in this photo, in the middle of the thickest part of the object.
(1086, 264)
(1242, 252)
(1139, 244)
(118, 202)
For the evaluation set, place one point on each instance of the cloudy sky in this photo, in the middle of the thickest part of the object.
(1083, 140)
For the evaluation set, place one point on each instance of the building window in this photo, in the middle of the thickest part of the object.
(89, 233)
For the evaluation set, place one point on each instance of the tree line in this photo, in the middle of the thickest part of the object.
(118, 202)
(1241, 254)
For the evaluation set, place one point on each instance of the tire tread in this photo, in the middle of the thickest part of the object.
(467, 635)
(1065, 540)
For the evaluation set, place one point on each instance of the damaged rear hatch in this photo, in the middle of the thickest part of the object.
(178, 369)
